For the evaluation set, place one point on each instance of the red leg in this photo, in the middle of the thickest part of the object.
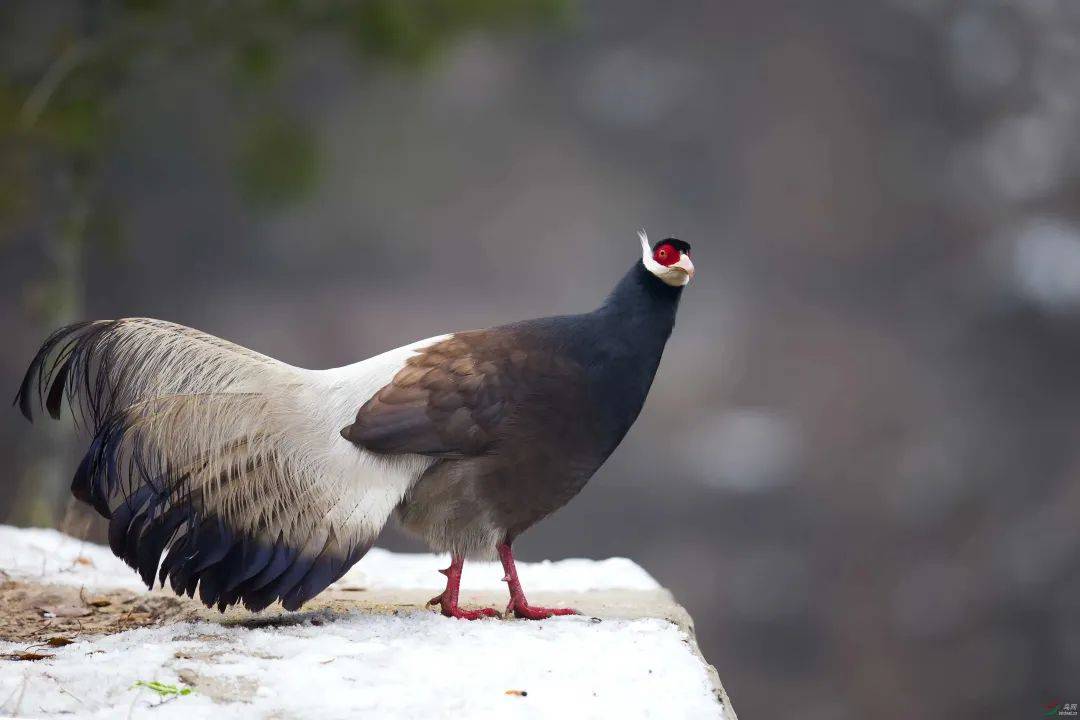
(448, 598)
(518, 604)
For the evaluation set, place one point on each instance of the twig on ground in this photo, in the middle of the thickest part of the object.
(131, 709)
(21, 690)
(65, 690)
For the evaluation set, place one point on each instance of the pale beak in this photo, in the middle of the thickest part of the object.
(686, 265)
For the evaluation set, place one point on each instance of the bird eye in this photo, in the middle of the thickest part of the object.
(666, 255)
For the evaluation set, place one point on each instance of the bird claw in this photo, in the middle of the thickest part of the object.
(523, 611)
(453, 611)
(450, 609)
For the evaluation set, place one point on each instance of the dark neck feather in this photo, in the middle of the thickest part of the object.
(642, 307)
(622, 345)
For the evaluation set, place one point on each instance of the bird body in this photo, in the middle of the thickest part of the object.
(263, 482)
(579, 382)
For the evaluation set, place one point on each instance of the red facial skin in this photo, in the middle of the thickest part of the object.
(666, 255)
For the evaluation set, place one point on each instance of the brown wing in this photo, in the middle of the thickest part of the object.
(455, 398)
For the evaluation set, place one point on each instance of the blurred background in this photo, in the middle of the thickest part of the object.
(859, 468)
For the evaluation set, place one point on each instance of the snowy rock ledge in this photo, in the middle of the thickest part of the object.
(80, 637)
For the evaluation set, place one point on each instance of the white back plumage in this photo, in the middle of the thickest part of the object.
(183, 419)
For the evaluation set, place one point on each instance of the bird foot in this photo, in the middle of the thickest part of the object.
(524, 611)
(519, 606)
(450, 608)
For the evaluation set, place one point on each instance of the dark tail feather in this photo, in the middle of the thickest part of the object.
(154, 539)
(334, 562)
(149, 501)
(34, 374)
(50, 376)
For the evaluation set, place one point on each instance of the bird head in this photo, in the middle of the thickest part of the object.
(668, 260)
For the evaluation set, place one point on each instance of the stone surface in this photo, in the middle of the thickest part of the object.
(77, 636)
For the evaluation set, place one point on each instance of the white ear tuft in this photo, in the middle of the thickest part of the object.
(646, 249)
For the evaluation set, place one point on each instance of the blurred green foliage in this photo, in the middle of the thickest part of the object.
(277, 162)
(59, 115)
(64, 67)
(415, 31)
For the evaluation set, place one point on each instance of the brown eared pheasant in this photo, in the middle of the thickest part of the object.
(262, 482)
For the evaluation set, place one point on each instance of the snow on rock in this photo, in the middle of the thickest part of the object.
(359, 661)
(411, 665)
(49, 556)
(384, 570)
